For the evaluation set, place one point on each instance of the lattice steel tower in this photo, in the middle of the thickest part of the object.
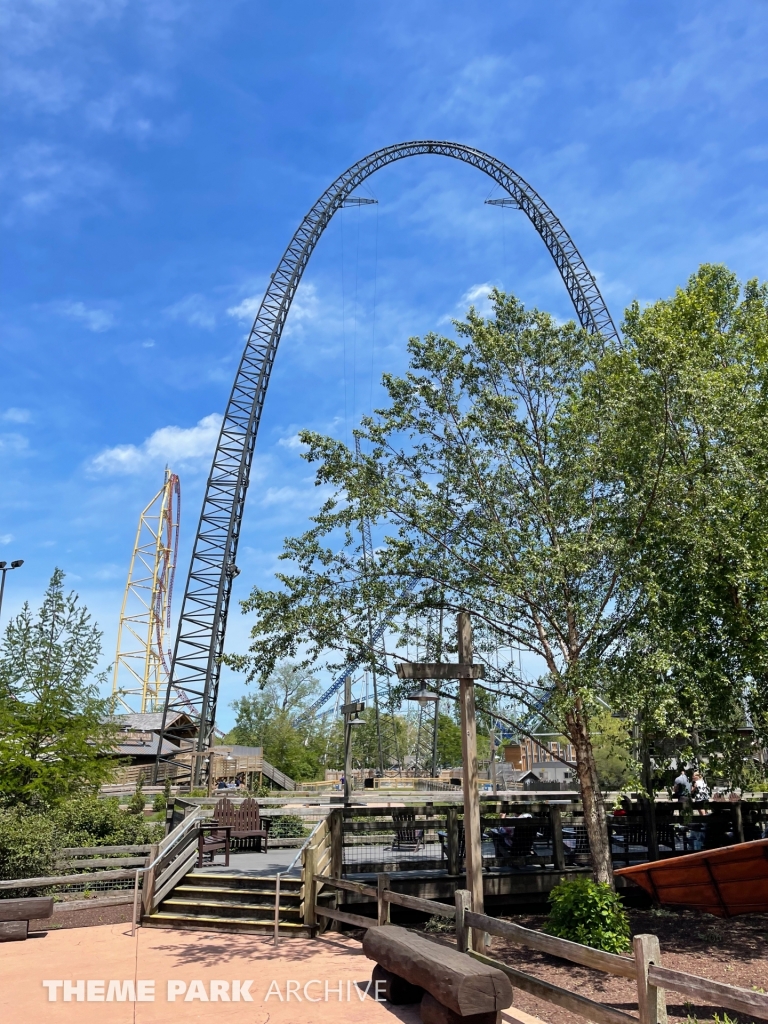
(142, 665)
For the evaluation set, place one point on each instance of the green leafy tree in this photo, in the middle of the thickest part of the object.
(267, 719)
(448, 742)
(54, 727)
(601, 506)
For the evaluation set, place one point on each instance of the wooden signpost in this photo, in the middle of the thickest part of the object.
(466, 672)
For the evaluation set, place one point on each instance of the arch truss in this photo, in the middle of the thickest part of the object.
(194, 679)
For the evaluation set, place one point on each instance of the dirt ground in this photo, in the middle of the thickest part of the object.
(732, 950)
(84, 918)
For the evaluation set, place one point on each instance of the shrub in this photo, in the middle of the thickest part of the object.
(27, 844)
(138, 800)
(88, 821)
(287, 826)
(158, 804)
(590, 913)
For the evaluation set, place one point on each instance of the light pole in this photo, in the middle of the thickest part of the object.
(351, 713)
(4, 568)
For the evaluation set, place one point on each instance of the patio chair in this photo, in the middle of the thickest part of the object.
(218, 838)
(407, 836)
(514, 842)
(244, 821)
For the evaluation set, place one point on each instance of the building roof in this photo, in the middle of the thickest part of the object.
(152, 721)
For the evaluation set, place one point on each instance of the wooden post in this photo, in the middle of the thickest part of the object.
(337, 840)
(148, 887)
(463, 903)
(558, 848)
(472, 840)
(738, 822)
(310, 886)
(649, 817)
(452, 839)
(651, 1001)
(382, 884)
(492, 740)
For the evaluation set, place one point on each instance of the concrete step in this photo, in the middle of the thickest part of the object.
(255, 896)
(224, 908)
(242, 881)
(263, 926)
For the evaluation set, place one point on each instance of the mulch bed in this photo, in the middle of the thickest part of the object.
(85, 918)
(732, 950)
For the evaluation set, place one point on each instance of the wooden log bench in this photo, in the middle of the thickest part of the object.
(15, 916)
(452, 987)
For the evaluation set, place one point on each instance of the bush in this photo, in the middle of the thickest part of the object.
(88, 821)
(27, 844)
(287, 826)
(137, 801)
(590, 913)
(158, 804)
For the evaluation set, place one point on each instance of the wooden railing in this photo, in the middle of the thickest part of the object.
(644, 966)
(170, 860)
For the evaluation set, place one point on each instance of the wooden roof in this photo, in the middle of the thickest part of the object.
(726, 882)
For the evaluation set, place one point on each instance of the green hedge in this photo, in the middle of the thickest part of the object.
(590, 913)
(28, 841)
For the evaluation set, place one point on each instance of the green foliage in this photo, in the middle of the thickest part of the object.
(138, 800)
(287, 826)
(54, 728)
(29, 838)
(266, 719)
(448, 742)
(88, 821)
(616, 767)
(590, 913)
(27, 845)
(158, 804)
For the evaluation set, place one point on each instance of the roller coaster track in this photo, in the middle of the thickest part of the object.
(196, 665)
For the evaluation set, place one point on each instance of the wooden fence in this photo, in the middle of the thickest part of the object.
(643, 967)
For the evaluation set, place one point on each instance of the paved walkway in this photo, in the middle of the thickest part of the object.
(195, 961)
(248, 862)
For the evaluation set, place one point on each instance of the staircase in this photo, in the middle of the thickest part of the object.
(232, 903)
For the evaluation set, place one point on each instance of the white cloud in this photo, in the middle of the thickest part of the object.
(174, 445)
(305, 309)
(96, 320)
(13, 444)
(13, 415)
(247, 309)
(193, 310)
(6, 538)
(476, 296)
(292, 443)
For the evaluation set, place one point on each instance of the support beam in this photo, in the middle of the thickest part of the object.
(472, 834)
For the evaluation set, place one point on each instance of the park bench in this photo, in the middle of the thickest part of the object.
(15, 916)
(244, 821)
(452, 987)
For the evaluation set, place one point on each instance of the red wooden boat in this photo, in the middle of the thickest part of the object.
(726, 882)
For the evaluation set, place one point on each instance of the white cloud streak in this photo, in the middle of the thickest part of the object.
(96, 320)
(177, 446)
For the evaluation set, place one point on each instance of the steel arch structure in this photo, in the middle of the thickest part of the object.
(196, 666)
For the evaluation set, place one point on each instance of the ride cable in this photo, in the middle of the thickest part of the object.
(196, 665)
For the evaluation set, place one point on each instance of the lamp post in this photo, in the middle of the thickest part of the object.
(4, 568)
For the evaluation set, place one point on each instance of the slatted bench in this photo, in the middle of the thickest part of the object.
(452, 987)
(15, 916)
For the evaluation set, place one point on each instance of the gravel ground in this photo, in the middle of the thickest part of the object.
(84, 918)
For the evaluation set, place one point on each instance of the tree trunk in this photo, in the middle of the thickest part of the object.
(591, 797)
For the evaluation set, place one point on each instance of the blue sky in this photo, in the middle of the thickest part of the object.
(158, 154)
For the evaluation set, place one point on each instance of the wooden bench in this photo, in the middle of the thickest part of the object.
(244, 821)
(453, 988)
(15, 916)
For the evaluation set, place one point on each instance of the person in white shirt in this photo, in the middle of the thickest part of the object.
(682, 786)
(700, 788)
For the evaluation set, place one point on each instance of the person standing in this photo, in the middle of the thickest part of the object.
(682, 786)
(700, 788)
